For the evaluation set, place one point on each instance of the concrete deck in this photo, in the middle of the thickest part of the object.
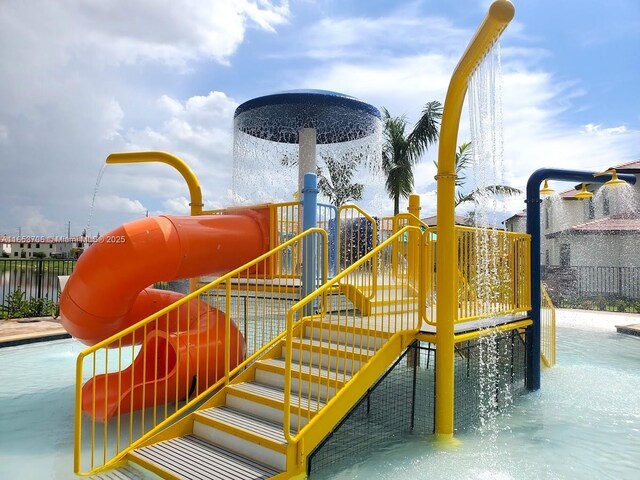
(30, 330)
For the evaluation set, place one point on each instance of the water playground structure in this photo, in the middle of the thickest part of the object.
(318, 320)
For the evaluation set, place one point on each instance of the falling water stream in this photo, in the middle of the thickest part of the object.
(93, 199)
(485, 113)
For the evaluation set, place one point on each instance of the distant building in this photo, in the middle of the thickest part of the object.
(458, 220)
(601, 231)
(34, 246)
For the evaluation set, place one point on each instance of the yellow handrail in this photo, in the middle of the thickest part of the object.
(241, 277)
(365, 324)
(374, 239)
(494, 268)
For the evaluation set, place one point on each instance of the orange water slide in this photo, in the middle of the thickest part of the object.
(168, 368)
(109, 291)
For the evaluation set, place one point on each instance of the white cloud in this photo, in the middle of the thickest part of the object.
(535, 103)
(177, 206)
(591, 129)
(32, 221)
(79, 80)
(114, 203)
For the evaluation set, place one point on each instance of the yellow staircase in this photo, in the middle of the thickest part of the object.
(240, 432)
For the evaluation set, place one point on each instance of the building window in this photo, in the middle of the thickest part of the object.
(15, 254)
(605, 204)
(37, 245)
(51, 245)
(28, 245)
(546, 216)
(565, 255)
(22, 245)
(592, 209)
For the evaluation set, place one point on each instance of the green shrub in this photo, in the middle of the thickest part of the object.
(16, 305)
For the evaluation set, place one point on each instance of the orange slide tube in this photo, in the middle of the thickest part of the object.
(168, 367)
(108, 292)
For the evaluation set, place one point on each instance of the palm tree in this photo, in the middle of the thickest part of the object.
(337, 186)
(401, 152)
(463, 161)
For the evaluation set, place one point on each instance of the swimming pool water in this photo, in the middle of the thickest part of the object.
(583, 423)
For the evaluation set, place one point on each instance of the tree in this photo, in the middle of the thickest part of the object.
(337, 186)
(464, 157)
(402, 151)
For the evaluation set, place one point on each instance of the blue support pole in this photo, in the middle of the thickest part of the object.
(309, 220)
(533, 202)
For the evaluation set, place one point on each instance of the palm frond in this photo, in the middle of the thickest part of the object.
(426, 130)
(479, 194)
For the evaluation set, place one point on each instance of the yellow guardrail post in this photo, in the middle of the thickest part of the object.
(195, 192)
(413, 252)
(500, 14)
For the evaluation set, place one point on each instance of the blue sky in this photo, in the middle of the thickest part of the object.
(83, 79)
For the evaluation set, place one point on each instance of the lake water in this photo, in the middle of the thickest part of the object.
(584, 422)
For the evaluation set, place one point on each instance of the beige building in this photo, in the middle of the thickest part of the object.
(34, 246)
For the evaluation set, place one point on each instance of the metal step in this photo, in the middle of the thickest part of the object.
(268, 402)
(357, 337)
(243, 433)
(323, 354)
(124, 473)
(305, 380)
(192, 458)
(395, 306)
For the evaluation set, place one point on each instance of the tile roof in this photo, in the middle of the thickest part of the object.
(629, 167)
(609, 224)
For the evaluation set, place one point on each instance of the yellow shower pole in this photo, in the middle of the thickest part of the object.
(500, 14)
(195, 192)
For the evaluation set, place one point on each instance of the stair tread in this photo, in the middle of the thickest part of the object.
(120, 473)
(246, 421)
(277, 394)
(193, 458)
(306, 369)
(335, 346)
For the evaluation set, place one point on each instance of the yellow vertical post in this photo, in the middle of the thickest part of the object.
(414, 241)
(195, 192)
(500, 14)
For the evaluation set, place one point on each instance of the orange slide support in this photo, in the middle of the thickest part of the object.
(108, 292)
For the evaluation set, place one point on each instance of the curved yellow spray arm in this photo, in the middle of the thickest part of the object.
(500, 14)
(195, 191)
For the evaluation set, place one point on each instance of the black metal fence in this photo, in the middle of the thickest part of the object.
(594, 288)
(29, 287)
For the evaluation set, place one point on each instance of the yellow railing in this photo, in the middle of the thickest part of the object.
(285, 222)
(399, 305)
(547, 329)
(357, 236)
(494, 268)
(189, 350)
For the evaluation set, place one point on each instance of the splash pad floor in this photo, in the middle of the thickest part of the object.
(587, 408)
